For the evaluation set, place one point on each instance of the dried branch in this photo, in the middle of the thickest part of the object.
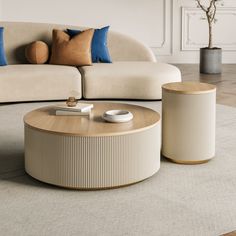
(210, 6)
(201, 6)
(210, 12)
(214, 12)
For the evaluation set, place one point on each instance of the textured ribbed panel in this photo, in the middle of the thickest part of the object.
(188, 126)
(92, 162)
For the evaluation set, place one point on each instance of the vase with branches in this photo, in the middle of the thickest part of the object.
(210, 57)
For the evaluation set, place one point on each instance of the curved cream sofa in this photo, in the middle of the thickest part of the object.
(134, 73)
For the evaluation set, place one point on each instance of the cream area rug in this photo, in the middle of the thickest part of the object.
(179, 200)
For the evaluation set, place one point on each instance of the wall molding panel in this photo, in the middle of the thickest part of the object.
(194, 28)
(165, 46)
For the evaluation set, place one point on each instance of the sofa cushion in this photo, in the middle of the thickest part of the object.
(3, 60)
(37, 52)
(100, 52)
(127, 80)
(75, 51)
(38, 82)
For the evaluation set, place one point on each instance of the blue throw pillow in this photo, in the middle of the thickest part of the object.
(99, 47)
(3, 60)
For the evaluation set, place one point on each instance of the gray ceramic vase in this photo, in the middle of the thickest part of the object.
(210, 60)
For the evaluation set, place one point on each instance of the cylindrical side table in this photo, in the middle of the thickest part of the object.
(188, 122)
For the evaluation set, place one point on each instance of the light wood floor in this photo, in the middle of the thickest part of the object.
(225, 82)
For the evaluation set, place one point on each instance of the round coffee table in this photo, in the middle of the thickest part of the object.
(85, 152)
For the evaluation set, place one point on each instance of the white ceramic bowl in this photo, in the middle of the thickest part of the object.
(117, 116)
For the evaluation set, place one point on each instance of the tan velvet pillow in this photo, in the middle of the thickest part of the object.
(75, 51)
(37, 52)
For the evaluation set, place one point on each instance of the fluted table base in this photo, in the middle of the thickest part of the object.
(96, 162)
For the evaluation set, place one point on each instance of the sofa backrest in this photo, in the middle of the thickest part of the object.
(18, 34)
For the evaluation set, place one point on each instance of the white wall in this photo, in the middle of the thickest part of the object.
(172, 28)
(1, 9)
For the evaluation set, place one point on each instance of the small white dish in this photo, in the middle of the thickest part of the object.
(117, 116)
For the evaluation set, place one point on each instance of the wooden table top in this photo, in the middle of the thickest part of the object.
(44, 119)
(189, 87)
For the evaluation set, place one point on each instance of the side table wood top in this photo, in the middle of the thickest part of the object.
(189, 87)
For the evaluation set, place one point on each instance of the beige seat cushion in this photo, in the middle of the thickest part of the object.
(127, 80)
(38, 82)
(74, 51)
